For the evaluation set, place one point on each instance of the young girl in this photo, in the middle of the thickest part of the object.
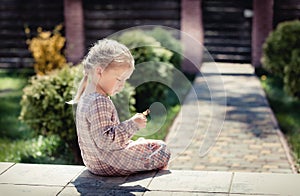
(104, 141)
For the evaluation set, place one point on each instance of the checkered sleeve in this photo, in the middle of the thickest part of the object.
(106, 130)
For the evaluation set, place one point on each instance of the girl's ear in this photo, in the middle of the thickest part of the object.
(98, 70)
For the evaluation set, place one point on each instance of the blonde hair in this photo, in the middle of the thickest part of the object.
(103, 53)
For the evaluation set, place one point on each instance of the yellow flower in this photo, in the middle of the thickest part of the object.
(27, 30)
(46, 50)
(263, 77)
(45, 34)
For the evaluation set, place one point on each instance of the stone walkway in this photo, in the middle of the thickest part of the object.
(233, 102)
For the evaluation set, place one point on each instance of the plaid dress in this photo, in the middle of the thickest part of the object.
(105, 142)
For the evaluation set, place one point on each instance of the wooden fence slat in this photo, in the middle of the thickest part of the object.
(227, 33)
(15, 15)
(103, 18)
(285, 11)
(123, 24)
(229, 49)
(134, 5)
(227, 42)
(131, 14)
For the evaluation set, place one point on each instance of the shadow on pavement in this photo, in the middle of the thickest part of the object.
(89, 184)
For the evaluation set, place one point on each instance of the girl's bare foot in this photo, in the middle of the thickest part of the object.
(164, 168)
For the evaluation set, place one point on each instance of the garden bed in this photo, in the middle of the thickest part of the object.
(285, 109)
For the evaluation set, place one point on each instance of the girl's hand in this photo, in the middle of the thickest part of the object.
(140, 120)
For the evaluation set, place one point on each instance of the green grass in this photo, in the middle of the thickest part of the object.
(11, 85)
(286, 109)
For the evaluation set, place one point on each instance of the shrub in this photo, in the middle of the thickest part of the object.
(278, 47)
(292, 75)
(168, 41)
(281, 54)
(42, 149)
(156, 66)
(124, 102)
(35, 150)
(44, 108)
(46, 49)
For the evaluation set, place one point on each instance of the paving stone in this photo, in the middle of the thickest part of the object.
(255, 146)
(245, 194)
(184, 181)
(270, 166)
(265, 152)
(250, 157)
(284, 171)
(68, 191)
(182, 165)
(216, 168)
(4, 166)
(262, 183)
(72, 191)
(88, 184)
(272, 145)
(160, 193)
(36, 174)
(28, 190)
(199, 167)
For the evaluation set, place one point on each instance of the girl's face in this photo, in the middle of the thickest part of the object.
(112, 79)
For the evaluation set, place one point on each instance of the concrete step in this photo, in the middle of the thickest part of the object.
(41, 179)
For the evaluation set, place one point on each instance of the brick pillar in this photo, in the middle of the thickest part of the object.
(262, 25)
(192, 36)
(74, 29)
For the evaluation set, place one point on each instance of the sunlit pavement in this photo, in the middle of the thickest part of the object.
(40, 179)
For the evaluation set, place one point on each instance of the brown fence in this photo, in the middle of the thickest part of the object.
(227, 30)
(15, 15)
(103, 18)
(285, 10)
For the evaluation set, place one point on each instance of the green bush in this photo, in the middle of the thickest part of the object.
(155, 59)
(39, 149)
(144, 47)
(281, 54)
(44, 106)
(124, 102)
(44, 109)
(168, 41)
(48, 149)
(292, 75)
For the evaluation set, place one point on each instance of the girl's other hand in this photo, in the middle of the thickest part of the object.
(140, 120)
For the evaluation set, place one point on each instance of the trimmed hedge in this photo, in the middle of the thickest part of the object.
(168, 41)
(281, 55)
(153, 62)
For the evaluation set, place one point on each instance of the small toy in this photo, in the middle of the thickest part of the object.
(146, 112)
